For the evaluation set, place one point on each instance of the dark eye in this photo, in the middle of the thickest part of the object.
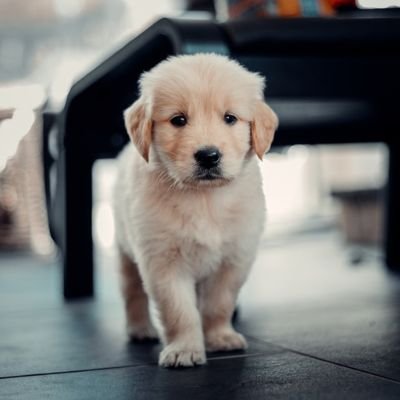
(178, 121)
(230, 119)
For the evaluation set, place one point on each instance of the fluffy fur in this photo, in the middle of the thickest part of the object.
(187, 244)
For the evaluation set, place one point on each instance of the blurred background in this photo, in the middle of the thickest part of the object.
(321, 308)
(45, 45)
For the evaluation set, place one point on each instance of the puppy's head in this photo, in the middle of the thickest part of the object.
(200, 118)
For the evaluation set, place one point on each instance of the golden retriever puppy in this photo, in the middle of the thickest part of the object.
(189, 204)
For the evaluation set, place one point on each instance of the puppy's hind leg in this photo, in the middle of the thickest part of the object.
(139, 325)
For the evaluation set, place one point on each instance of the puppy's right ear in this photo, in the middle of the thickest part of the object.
(139, 126)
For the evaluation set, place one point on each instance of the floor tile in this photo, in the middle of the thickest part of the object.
(80, 336)
(310, 298)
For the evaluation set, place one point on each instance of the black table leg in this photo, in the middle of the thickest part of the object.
(75, 209)
(392, 229)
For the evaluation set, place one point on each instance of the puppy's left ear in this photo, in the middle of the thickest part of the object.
(139, 126)
(263, 128)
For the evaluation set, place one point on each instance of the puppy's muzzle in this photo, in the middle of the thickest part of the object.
(208, 157)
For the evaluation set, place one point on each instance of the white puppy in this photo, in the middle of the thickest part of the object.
(189, 205)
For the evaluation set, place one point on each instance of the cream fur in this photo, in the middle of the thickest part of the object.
(191, 243)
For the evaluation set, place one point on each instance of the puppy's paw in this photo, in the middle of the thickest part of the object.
(142, 333)
(176, 355)
(225, 340)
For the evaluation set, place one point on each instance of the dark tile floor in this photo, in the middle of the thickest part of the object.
(318, 328)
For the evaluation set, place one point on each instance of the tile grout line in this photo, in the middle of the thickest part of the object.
(75, 371)
(338, 364)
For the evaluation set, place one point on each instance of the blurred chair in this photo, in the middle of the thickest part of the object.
(330, 80)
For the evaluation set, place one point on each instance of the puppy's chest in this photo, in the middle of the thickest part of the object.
(202, 230)
(204, 222)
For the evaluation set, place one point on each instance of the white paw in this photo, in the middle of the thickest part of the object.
(176, 355)
(225, 340)
(142, 333)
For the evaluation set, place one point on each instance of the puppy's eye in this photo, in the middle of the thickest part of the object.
(178, 121)
(230, 119)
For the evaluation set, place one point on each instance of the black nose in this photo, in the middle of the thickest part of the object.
(208, 157)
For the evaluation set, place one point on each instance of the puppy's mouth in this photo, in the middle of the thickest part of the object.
(208, 177)
(208, 174)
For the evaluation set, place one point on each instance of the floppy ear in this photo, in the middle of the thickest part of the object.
(139, 126)
(263, 128)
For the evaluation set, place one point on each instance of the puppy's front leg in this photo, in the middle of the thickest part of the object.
(173, 291)
(218, 296)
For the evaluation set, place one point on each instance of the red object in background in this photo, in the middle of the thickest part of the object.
(342, 3)
(285, 8)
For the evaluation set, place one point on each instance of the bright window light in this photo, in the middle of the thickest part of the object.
(378, 3)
